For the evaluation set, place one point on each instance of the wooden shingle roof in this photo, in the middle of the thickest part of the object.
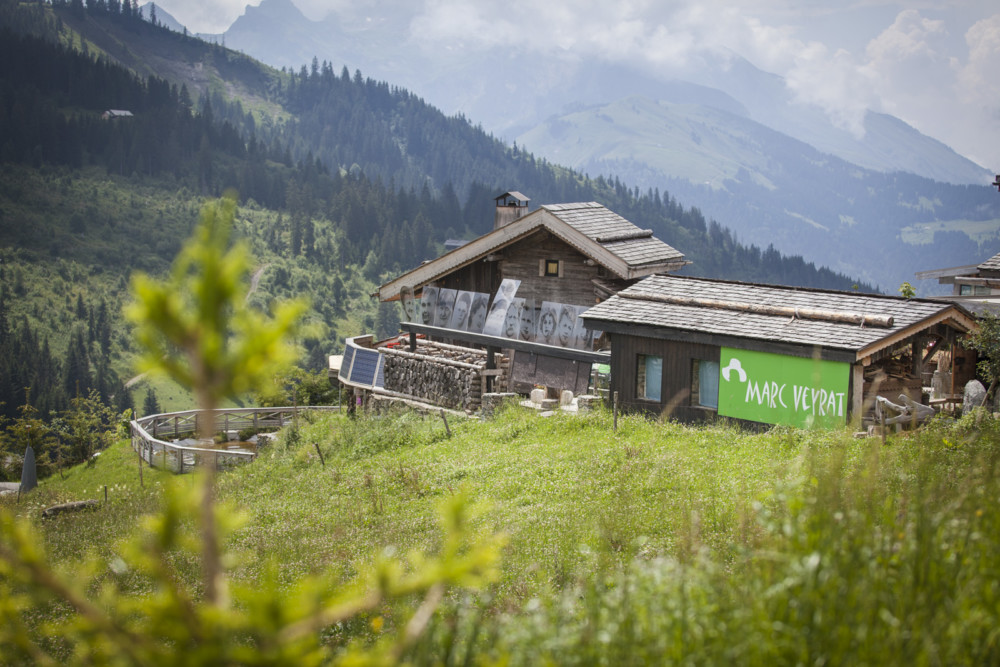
(613, 242)
(674, 307)
(635, 246)
(992, 264)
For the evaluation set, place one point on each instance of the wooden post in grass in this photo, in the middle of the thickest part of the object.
(322, 462)
(444, 418)
(139, 454)
(615, 411)
(106, 489)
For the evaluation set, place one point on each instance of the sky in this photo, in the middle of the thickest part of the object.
(936, 65)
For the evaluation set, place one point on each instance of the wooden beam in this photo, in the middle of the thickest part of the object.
(863, 319)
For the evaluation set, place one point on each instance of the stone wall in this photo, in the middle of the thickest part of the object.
(446, 375)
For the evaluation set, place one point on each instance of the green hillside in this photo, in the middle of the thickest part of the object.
(654, 543)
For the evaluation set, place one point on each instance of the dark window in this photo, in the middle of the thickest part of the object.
(649, 377)
(552, 267)
(705, 383)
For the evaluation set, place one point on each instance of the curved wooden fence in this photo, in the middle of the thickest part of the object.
(148, 433)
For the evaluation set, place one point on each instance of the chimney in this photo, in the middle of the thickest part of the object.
(510, 206)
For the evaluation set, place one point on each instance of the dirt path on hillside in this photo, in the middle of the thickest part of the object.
(255, 280)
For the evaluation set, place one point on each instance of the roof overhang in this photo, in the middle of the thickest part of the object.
(954, 317)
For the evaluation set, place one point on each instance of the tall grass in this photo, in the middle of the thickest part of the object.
(655, 543)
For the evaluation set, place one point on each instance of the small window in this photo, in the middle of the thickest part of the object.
(981, 291)
(965, 290)
(552, 267)
(705, 383)
(649, 377)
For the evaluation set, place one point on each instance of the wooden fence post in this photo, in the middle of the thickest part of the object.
(444, 418)
(615, 412)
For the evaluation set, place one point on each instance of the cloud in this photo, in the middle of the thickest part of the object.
(911, 63)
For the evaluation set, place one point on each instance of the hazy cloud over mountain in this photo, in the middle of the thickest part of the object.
(935, 65)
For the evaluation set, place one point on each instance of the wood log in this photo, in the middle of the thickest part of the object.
(69, 507)
(863, 319)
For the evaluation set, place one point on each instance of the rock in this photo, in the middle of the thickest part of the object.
(493, 401)
(587, 402)
(69, 507)
(565, 397)
(974, 396)
(537, 395)
(940, 384)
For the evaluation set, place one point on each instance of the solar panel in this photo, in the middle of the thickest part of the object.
(345, 366)
(365, 366)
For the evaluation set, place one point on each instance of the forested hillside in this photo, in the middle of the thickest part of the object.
(342, 182)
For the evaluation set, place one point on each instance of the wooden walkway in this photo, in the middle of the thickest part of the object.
(148, 435)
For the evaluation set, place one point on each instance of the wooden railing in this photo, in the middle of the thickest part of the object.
(148, 431)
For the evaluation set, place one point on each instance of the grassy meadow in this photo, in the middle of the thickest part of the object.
(655, 543)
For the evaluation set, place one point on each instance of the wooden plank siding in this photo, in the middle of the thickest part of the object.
(521, 261)
(482, 276)
(675, 396)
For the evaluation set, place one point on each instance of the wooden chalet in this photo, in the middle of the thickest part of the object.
(974, 282)
(569, 253)
(693, 349)
(572, 255)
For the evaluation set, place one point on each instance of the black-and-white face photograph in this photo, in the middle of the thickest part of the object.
(512, 321)
(460, 314)
(583, 338)
(565, 325)
(496, 317)
(508, 288)
(477, 316)
(445, 305)
(428, 304)
(411, 307)
(526, 330)
(545, 329)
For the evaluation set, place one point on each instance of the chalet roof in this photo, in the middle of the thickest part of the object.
(992, 264)
(674, 307)
(513, 194)
(596, 232)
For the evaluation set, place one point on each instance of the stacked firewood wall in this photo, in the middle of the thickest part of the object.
(446, 375)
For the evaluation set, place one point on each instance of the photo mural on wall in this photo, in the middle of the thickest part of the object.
(548, 316)
(512, 322)
(512, 317)
(528, 316)
(477, 316)
(445, 306)
(501, 303)
(460, 315)
(411, 307)
(428, 303)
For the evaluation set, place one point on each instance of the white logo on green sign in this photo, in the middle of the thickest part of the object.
(780, 389)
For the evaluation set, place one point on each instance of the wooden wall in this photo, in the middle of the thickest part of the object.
(675, 395)
(520, 261)
(480, 276)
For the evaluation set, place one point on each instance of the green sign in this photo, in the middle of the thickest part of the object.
(779, 389)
